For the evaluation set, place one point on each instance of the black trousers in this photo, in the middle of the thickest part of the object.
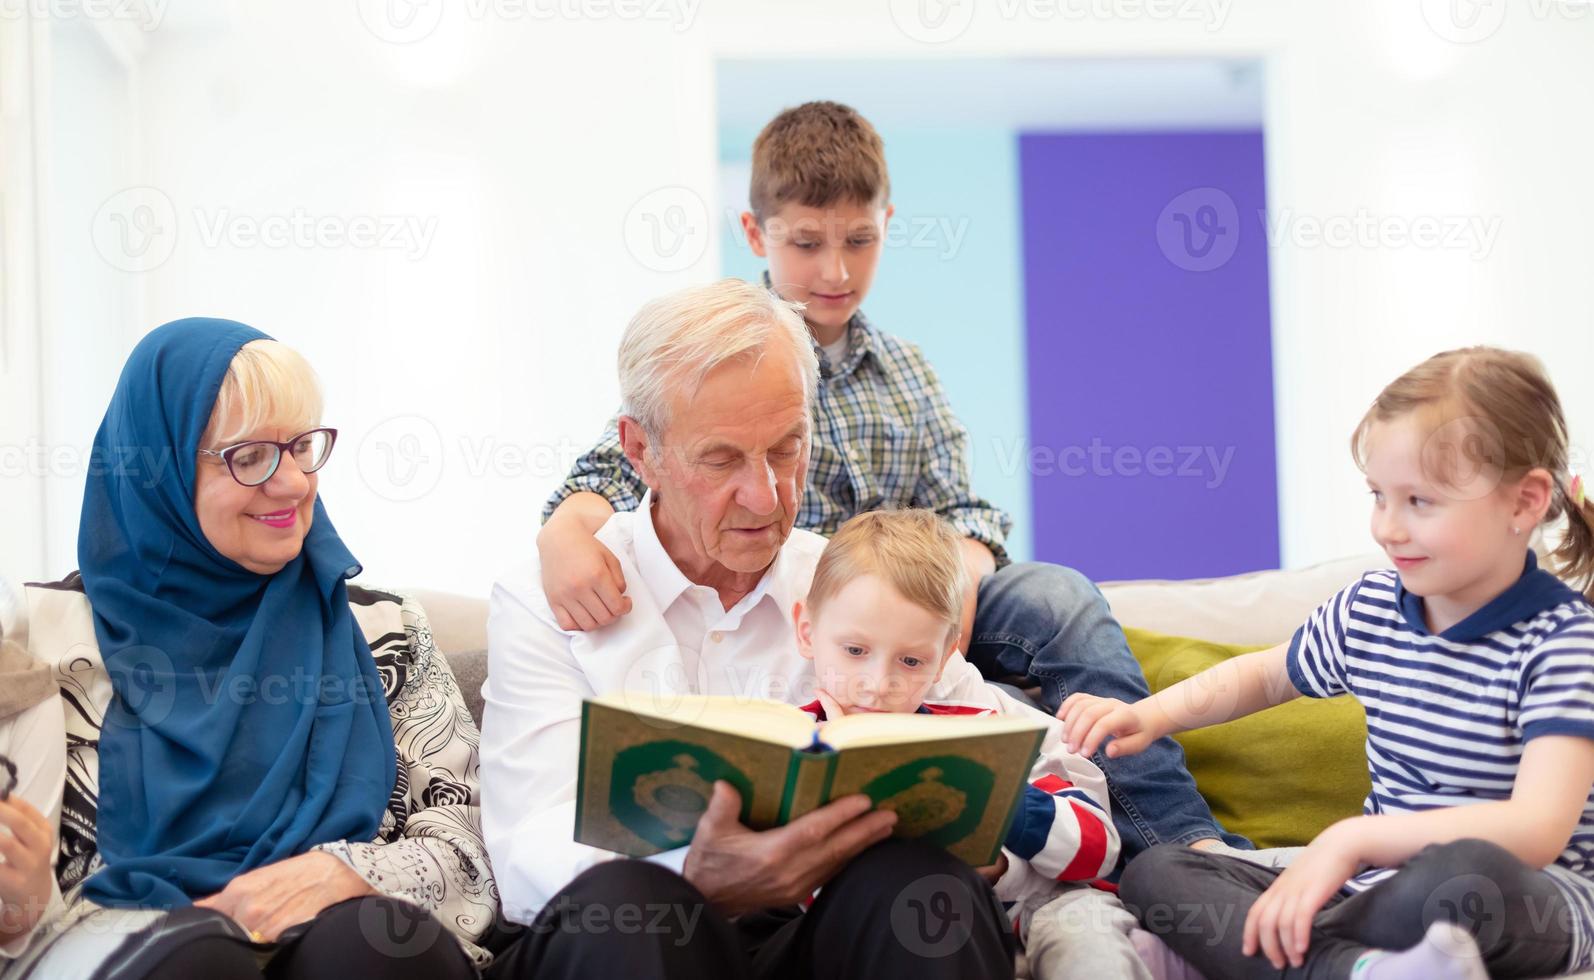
(1197, 903)
(898, 910)
(370, 937)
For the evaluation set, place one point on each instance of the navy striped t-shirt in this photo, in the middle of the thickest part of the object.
(1449, 714)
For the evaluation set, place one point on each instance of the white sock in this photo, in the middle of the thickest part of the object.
(1447, 952)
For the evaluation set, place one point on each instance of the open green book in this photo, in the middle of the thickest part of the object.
(648, 767)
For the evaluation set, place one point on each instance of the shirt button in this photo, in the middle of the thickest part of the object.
(716, 636)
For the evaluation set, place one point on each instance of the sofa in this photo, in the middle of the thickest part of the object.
(1225, 615)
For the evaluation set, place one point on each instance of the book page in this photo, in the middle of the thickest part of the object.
(766, 721)
(890, 729)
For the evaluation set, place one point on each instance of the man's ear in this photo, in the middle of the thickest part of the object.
(1533, 495)
(804, 627)
(755, 235)
(634, 443)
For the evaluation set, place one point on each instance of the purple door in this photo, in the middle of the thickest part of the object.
(1150, 364)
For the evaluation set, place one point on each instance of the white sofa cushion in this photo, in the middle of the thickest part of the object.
(1259, 609)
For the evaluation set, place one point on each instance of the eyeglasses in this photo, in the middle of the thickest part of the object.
(253, 463)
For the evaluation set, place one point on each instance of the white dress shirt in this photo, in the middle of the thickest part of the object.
(677, 638)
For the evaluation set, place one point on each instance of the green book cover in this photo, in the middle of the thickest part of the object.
(648, 768)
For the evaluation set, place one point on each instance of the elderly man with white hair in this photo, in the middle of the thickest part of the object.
(717, 383)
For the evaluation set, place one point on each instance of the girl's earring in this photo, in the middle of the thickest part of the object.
(1516, 530)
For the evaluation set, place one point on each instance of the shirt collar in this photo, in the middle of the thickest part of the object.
(783, 584)
(666, 582)
(860, 342)
(663, 578)
(1532, 593)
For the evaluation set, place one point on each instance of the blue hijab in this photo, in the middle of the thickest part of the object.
(248, 723)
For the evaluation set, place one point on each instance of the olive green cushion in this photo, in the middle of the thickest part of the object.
(1279, 776)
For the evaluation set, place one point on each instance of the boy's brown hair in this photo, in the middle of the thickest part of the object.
(915, 551)
(815, 155)
(1493, 412)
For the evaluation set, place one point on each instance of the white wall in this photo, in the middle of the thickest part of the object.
(93, 309)
(21, 491)
(1372, 111)
(466, 378)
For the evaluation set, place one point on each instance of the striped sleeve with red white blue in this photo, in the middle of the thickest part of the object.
(1062, 827)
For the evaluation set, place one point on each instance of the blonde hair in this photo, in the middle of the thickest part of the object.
(1501, 416)
(817, 154)
(674, 341)
(268, 383)
(915, 551)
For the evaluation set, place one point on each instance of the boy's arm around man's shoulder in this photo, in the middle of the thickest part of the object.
(602, 470)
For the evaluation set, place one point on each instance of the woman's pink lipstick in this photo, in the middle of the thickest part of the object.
(278, 518)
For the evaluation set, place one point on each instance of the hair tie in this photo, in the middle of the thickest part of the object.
(1577, 491)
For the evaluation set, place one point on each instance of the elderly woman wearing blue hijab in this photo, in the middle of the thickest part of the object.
(270, 772)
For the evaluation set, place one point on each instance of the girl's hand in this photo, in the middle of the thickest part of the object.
(26, 866)
(1280, 922)
(1087, 720)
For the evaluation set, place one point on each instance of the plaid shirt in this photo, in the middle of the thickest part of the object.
(884, 436)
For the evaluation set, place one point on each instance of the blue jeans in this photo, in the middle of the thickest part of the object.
(1050, 627)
